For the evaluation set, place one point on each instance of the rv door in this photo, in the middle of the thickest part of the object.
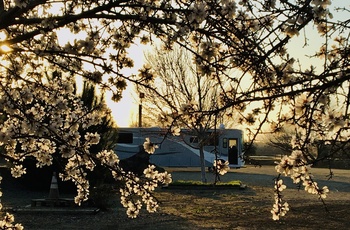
(233, 151)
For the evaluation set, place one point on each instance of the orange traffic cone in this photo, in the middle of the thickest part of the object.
(54, 194)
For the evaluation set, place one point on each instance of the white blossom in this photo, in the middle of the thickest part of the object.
(221, 167)
(92, 138)
(302, 102)
(149, 146)
(150, 172)
(18, 171)
(199, 13)
(164, 178)
(175, 131)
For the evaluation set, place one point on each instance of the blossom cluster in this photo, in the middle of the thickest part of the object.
(189, 113)
(326, 120)
(221, 167)
(137, 190)
(295, 166)
(279, 208)
(149, 146)
(43, 120)
(134, 193)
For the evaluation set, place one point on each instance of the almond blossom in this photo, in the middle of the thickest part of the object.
(241, 46)
(221, 167)
(294, 166)
(149, 146)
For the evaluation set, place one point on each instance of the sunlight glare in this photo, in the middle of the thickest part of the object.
(125, 110)
(3, 35)
(5, 48)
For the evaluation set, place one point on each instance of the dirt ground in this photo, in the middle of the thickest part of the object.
(209, 209)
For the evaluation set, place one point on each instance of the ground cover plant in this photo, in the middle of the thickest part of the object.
(205, 184)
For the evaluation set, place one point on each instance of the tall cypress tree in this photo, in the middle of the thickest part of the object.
(106, 129)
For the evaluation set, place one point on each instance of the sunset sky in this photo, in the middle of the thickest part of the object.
(126, 111)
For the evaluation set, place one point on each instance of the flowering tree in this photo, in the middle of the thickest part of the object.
(250, 37)
(105, 128)
(185, 98)
(270, 84)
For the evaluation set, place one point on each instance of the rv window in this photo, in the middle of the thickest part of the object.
(224, 142)
(193, 139)
(126, 138)
(213, 140)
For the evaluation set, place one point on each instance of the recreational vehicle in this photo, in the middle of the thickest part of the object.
(183, 150)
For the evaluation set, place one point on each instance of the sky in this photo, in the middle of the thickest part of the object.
(126, 111)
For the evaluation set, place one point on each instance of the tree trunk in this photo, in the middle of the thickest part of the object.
(202, 161)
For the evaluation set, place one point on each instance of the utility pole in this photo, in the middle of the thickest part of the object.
(142, 95)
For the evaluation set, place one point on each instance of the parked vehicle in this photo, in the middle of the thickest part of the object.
(183, 150)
